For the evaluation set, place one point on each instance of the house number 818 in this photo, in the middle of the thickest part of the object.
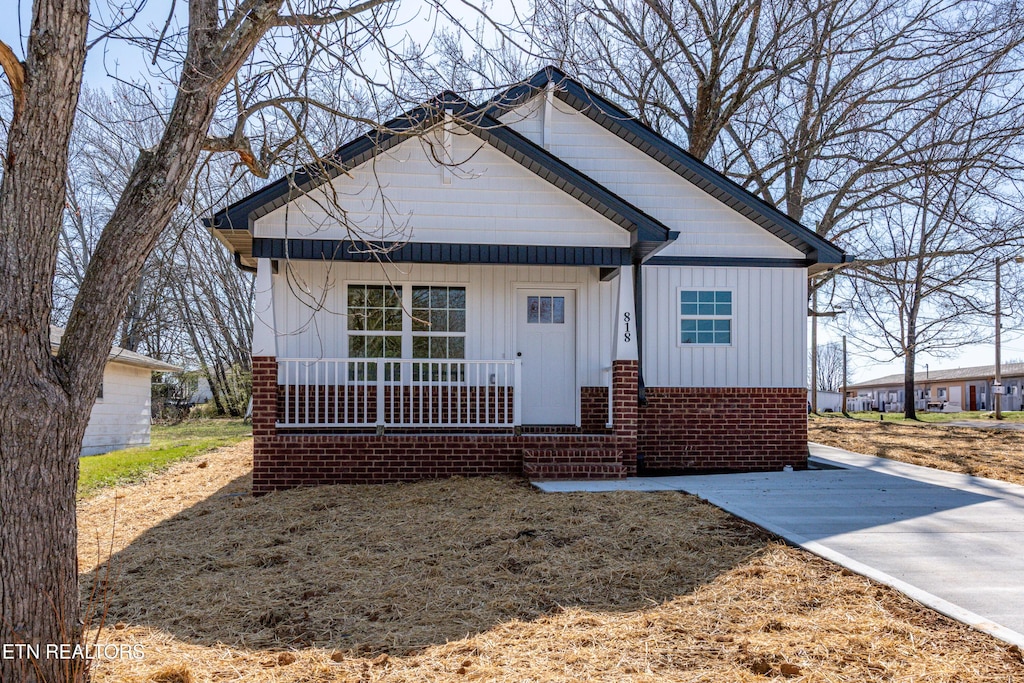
(625, 319)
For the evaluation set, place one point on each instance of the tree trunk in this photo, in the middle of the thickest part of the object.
(909, 409)
(41, 422)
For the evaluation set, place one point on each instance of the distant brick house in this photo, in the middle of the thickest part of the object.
(566, 293)
(950, 390)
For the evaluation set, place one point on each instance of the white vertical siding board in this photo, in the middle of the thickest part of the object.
(768, 328)
(746, 363)
(490, 305)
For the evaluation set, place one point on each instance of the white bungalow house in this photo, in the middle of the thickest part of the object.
(564, 293)
(121, 415)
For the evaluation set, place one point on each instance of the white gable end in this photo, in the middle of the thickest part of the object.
(707, 227)
(405, 194)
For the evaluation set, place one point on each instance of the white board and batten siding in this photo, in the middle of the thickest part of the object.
(404, 194)
(706, 226)
(304, 332)
(768, 346)
(121, 418)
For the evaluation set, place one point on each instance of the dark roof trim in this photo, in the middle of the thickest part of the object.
(611, 117)
(734, 261)
(643, 228)
(438, 252)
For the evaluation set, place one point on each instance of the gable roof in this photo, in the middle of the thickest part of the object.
(119, 355)
(611, 117)
(233, 225)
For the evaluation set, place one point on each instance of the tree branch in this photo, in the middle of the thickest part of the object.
(15, 71)
(333, 18)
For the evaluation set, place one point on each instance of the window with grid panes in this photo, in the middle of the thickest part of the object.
(705, 317)
(377, 327)
(374, 326)
(438, 327)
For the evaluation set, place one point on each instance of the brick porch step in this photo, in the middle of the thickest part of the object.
(573, 463)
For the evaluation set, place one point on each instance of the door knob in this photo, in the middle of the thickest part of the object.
(519, 354)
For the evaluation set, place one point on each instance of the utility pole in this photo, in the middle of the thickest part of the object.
(997, 386)
(844, 377)
(814, 353)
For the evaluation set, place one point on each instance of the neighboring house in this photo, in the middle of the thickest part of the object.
(203, 393)
(945, 390)
(121, 415)
(565, 293)
(829, 401)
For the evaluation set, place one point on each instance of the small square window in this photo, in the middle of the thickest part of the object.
(705, 317)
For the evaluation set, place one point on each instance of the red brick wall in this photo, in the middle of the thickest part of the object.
(290, 460)
(594, 410)
(723, 429)
(625, 382)
(264, 396)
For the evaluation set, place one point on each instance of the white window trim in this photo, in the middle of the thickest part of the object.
(678, 317)
(407, 332)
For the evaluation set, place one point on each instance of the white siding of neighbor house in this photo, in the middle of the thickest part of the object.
(122, 417)
(768, 349)
(707, 227)
(490, 292)
(401, 195)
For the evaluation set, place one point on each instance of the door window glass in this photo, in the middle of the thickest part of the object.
(545, 309)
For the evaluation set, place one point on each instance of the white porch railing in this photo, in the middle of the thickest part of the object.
(391, 392)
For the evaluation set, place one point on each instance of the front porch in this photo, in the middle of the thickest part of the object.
(389, 420)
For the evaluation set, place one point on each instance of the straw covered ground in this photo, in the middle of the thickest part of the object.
(992, 453)
(487, 580)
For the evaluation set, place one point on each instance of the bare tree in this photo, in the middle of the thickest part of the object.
(812, 106)
(934, 238)
(688, 69)
(830, 366)
(225, 91)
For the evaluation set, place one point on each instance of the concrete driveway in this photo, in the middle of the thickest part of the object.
(950, 541)
(986, 424)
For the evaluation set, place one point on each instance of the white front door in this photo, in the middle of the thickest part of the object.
(546, 344)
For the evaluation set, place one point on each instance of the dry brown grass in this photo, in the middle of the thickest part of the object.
(487, 579)
(992, 453)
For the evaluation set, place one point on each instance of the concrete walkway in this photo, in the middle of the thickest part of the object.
(950, 541)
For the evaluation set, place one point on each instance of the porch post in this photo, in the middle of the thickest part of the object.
(625, 373)
(264, 357)
(264, 341)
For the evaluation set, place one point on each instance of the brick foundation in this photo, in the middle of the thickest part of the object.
(721, 430)
(681, 429)
(286, 460)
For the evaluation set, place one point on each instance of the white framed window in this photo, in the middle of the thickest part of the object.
(379, 328)
(438, 321)
(705, 317)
